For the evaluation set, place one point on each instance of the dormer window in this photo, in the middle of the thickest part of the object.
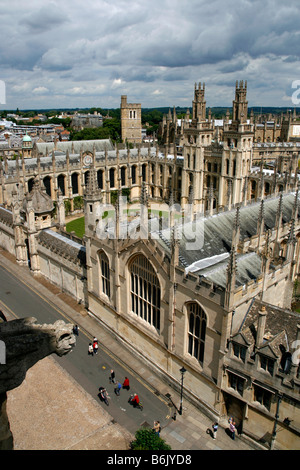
(267, 364)
(239, 351)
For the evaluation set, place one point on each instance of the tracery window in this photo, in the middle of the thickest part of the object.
(112, 177)
(197, 329)
(105, 277)
(133, 174)
(145, 291)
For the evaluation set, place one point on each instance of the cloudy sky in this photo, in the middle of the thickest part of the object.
(75, 53)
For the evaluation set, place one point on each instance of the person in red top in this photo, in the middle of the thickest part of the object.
(126, 383)
(95, 345)
(135, 400)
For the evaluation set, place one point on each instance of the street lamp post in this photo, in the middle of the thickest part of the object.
(182, 371)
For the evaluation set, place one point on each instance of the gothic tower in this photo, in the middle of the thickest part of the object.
(199, 104)
(238, 151)
(240, 104)
(131, 121)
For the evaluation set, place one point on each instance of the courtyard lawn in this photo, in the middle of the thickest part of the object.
(77, 226)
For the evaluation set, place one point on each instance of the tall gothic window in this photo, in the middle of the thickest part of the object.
(100, 178)
(105, 277)
(133, 174)
(145, 291)
(61, 183)
(123, 176)
(196, 333)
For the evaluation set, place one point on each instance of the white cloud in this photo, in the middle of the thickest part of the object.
(73, 54)
(40, 90)
(117, 82)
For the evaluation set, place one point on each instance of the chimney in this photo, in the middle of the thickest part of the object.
(262, 316)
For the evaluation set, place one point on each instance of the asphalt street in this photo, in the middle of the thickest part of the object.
(91, 372)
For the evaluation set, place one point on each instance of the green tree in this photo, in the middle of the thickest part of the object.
(146, 439)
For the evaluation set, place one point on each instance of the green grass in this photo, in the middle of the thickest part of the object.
(77, 226)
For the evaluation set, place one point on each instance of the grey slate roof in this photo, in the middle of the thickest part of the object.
(63, 246)
(280, 328)
(248, 268)
(213, 239)
(77, 145)
(41, 202)
(60, 159)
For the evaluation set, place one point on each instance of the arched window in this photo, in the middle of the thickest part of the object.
(144, 168)
(30, 184)
(100, 179)
(112, 177)
(145, 291)
(196, 331)
(105, 277)
(86, 177)
(47, 184)
(133, 174)
(61, 183)
(74, 182)
(123, 175)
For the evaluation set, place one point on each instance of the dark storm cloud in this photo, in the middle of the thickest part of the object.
(137, 47)
(44, 19)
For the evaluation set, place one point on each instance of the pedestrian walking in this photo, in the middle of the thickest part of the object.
(118, 388)
(95, 345)
(91, 350)
(215, 429)
(232, 429)
(112, 376)
(126, 384)
(157, 427)
(76, 330)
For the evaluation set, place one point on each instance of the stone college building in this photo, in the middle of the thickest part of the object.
(195, 267)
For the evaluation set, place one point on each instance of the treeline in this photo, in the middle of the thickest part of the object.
(151, 118)
(111, 129)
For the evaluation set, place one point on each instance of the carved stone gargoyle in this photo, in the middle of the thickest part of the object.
(22, 344)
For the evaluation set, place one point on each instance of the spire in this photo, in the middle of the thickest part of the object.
(144, 195)
(295, 207)
(261, 220)
(174, 234)
(211, 199)
(231, 266)
(174, 115)
(291, 237)
(229, 194)
(118, 213)
(231, 272)
(171, 198)
(279, 213)
(236, 230)
(92, 188)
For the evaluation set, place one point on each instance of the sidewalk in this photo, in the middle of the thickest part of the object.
(189, 430)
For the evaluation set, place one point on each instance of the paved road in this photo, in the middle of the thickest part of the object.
(90, 372)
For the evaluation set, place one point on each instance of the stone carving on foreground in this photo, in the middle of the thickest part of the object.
(24, 343)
